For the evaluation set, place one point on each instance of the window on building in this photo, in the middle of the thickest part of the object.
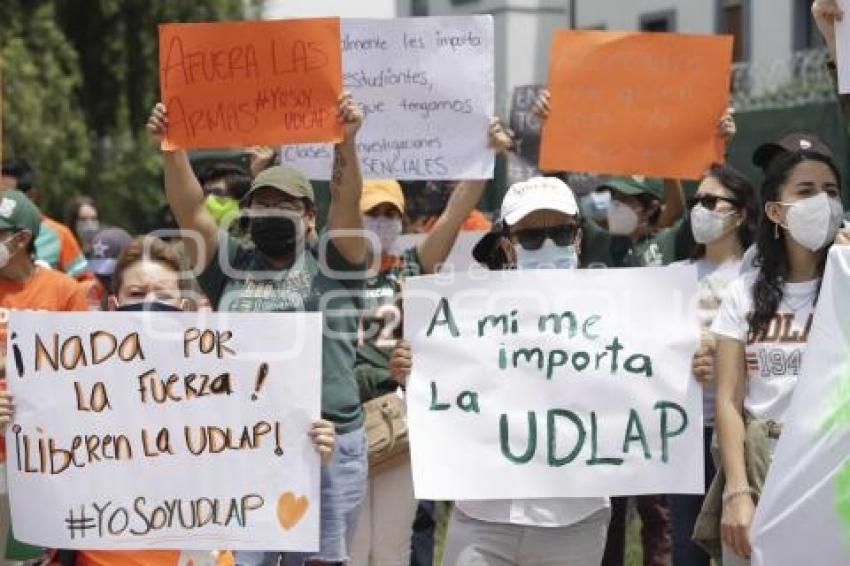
(732, 20)
(419, 7)
(659, 21)
(806, 34)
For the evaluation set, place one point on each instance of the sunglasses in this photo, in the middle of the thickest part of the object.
(709, 202)
(533, 238)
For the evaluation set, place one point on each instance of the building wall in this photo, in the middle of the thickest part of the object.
(691, 16)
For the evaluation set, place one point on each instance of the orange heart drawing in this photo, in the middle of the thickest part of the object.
(291, 509)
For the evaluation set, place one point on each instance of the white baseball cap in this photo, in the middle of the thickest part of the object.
(537, 193)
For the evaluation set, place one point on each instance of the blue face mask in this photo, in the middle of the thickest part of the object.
(548, 256)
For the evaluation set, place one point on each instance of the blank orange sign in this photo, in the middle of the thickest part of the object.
(636, 103)
(247, 83)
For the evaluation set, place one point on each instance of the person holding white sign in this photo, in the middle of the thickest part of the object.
(541, 230)
(147, 278)
(723, 222)
(288, 268)
(762, 330)
(385, 525)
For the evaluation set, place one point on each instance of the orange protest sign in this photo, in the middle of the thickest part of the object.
(636, 103)
(250, 83)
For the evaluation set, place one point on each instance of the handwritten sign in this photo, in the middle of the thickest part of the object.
(425, 86)
(173, 431)
(459, 258)
(554, 383)
(245, 83)
(636, 103)
(807, 492)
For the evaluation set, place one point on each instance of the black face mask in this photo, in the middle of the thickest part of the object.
(275, 236)
(149, 306)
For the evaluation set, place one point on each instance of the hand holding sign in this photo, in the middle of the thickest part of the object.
(826, 13)
(623, 103)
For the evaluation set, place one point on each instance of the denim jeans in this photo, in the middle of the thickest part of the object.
(343, 490)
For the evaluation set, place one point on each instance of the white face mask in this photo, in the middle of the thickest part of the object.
(813, 222)
(87, 229)
(622, 220)
(387, 229)
(599, 203)
(708, 225)
(548, 256)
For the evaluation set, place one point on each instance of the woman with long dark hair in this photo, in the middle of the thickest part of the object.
(723, 221)
(763, 327)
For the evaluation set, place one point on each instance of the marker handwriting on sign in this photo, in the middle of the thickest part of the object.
(36, 452)
(236, 83)
(141, 517)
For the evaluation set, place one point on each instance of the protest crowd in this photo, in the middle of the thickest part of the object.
(254, 240)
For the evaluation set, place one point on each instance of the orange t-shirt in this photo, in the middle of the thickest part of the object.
(475, 222)
(138, 558)
(46, 290)
(69, 257)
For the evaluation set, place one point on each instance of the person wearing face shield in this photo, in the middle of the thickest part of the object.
(287, 267)
(25, 285)
(539, 228)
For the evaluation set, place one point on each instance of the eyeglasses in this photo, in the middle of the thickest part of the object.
(709, 202)
(533, 238)
(287, 205)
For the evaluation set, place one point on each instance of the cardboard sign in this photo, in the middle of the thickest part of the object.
(636, 103)
(170, 431)
(554, 383)
(425, 86)
(247, 83)
(806, 496)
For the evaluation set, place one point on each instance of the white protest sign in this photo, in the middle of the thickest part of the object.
(172, 431)
(807, 493)
(460, 257)
(842, 50)
(554, 383)
(425, 86)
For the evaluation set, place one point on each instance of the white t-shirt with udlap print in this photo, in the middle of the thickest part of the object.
(774, 358)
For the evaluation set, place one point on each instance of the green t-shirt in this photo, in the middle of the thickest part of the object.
(257, 287)
(600, 248)
(380, 325)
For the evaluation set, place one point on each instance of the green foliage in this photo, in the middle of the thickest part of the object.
(80, 77)
(42, 120)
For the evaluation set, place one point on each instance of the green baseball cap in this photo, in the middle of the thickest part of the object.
(635, 185)
(17, 212)
(285, 179)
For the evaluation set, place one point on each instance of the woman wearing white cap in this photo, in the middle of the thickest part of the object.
(539, 229)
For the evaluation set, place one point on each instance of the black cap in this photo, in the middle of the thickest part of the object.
(487, 251)
(797, 141)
